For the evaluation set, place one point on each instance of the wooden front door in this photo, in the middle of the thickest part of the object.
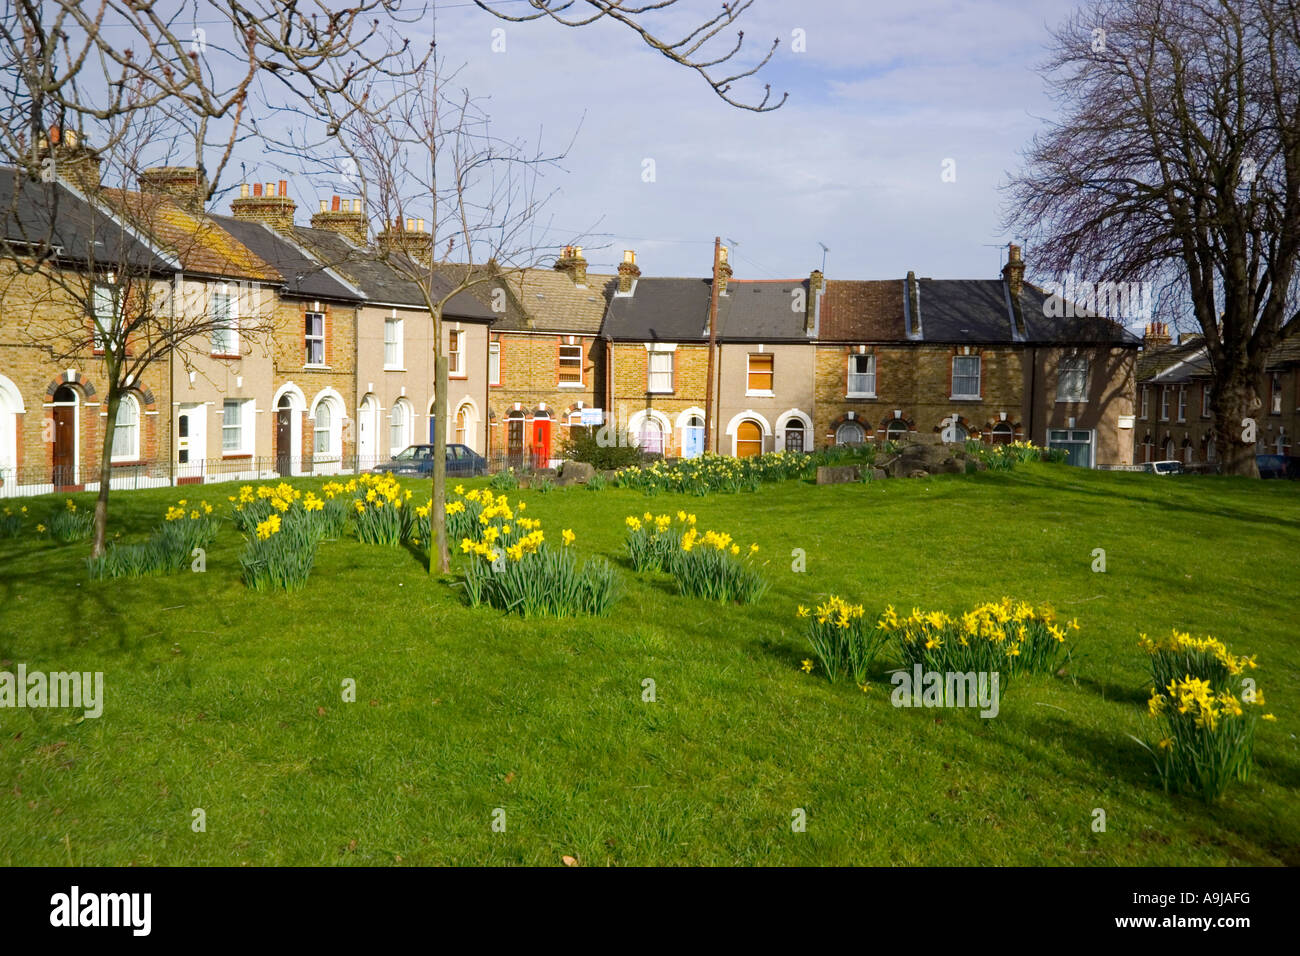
(515, 442)
(749, 439)
(65, 446)
(283, 441)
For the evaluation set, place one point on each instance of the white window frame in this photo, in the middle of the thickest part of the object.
(456, 356)
(401, 431)
(1206, 397)
(855, 424)
(230, 327)
(309, 339)
(333, 430)
(1145, 403)
(749, 370)
(105, 324)
(1182, 403)
(560, 382)
(652, 351)
(867, 377)
(1275, 399)
(244, 410)
(395, 345)
(1070, 440)
(1069, 376)
(132, 432)
(1164, 403)
(494, 363)
(979, 377)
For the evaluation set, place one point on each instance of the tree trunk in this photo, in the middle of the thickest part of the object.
(105, 472)
(1237, 413)
(437, 512)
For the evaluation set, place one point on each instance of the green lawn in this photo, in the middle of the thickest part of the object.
(228, 700)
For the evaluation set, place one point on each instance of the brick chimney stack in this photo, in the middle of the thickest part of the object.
(185, 184)
(724, 271)
(409, 237)
(572, 262)
(343, 216)
(273, 207)
(1156, 334)
(816, 283)
(627, 271)
(1014, 271)
(74, 161)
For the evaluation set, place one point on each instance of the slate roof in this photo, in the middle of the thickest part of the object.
(870, 311)
(380, 282)
(302, 273)
(33, 212)
(554, 303)
(199, 243)
(762, 310)
(660, 310)
(1083, 329)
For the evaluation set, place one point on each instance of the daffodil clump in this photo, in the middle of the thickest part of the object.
(69, 524)
(461, 516)
(188, 528)
(1005, 457)
(378, 505)
(843, 638)
(654, 541)
(710, 564)
(282, 528)
(512, 566)
(1180, 655)
(11, 521)
(1010, 637)
(708, 473)
(1204, 737)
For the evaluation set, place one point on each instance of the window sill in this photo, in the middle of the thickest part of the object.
(393, 368)
(314, 367)
(240, 457)
(759, 393)
(867, 395)
(224, 355)
(1072, 401)
(128, 462)
(965, 398)
(456, 378)
(570, 385)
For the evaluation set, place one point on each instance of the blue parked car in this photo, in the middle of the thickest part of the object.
(462, 462)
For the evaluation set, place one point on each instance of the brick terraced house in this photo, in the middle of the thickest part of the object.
(394, 392)
(1175, 421)
(545, 362)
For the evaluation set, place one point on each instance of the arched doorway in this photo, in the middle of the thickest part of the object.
(541, 440)
(693, 437)
(11, 406)
(284, 436)
(896, 430)
(65, 412)
(1003, 434)
(749, 438)
(515, 439)
(368, 433)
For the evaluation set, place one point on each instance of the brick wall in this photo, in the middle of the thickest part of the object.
(338, 372)
(630, 383)
(34, 307)
(530, 375)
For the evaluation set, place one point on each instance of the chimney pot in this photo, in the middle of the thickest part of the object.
(356, 205)
(284, 187)
(322, 205)
(419, 225)
(334, 204)
(243, 190)
(257, 189)
(629, 257)
(410, 225)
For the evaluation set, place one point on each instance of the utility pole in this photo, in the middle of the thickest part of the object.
(713, 336)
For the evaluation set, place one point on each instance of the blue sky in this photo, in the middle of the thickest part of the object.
(883, 95)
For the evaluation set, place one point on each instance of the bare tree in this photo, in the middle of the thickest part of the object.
(1176, 161)
(694, 49)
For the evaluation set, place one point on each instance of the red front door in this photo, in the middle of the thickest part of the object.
(541, 442)
(65, 446)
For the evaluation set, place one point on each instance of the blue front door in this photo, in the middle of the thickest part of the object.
(433, 431)
(692, 441)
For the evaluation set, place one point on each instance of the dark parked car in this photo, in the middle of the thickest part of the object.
(462, 461)
(1278, 466)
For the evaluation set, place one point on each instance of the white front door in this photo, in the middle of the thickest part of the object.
(191, 440)
(368, 434)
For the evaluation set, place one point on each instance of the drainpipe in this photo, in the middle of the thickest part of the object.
(1033, 392)
(173, 408)
(713, 337)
